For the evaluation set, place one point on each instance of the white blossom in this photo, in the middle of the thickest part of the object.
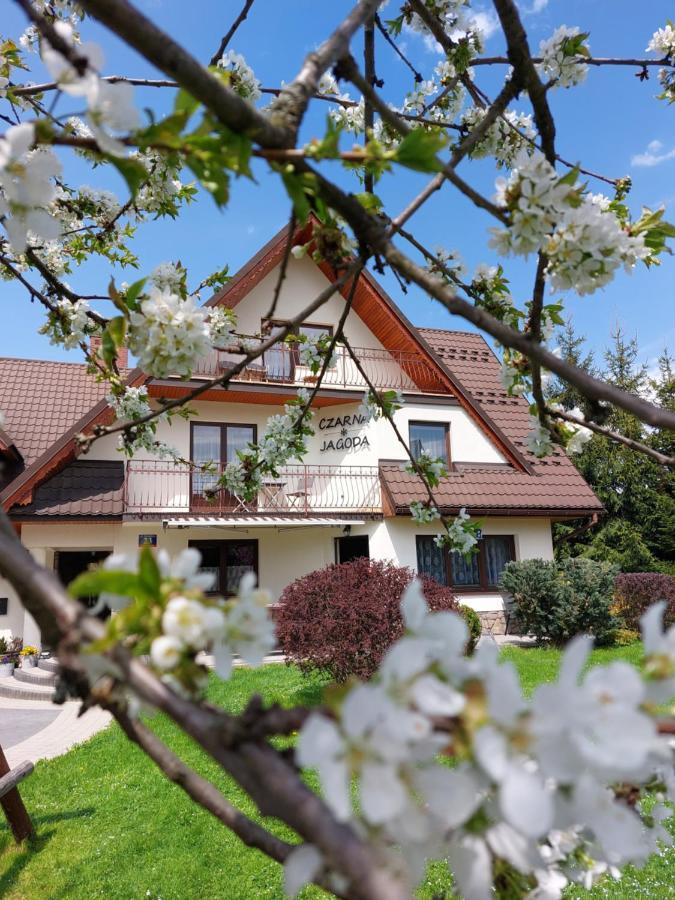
(186, 567)
(170, 334)
(663, 42)
(581, 434)
(186, 621)
(68, 78)
(131, 404)
(458, 537)
(221, 327)
(585, 242)
(538, 439)
(558, 62)
(170, 277)
(512, 380)
(69, 324)
(161, 184)
(243, 78)
(26, 180)
(422, 513)
(249, 631)
(110, 106)
(165, 652)
(505, 138)
(301, 867)
(351, 118)
(111, 109)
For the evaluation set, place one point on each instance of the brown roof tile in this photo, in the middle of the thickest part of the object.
(83, 488)
(41, 400)
(556, 483)
(493, 489)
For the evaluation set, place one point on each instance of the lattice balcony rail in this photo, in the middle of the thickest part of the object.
(156, 486)
(402, 370)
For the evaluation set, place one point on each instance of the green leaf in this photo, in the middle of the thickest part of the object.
(295, 188)
(211, 175)
(329, 146)
(148, 572)
(90, 584)
(133, 292)
(133, 172)
(418, 150)
(394, 26)
(369, 201)
(116, 329)
(185, 103)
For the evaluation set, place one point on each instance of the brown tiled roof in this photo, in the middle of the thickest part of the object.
(556, 485)
(493, 489)
(83, 488)
(41, 400)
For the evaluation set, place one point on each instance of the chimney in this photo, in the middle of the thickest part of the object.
(122, 353)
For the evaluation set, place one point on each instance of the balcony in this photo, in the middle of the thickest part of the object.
(403, 370)
(155, 487)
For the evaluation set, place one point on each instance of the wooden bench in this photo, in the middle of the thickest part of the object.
(10, 799)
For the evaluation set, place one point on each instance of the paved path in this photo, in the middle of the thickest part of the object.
(17, 725)
(36, 729)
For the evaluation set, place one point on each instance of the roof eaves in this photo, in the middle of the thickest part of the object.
(62, 450)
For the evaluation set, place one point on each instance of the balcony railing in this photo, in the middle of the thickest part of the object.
(154, 486)
(402, 370)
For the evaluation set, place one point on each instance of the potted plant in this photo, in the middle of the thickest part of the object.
(6, 661)
(29, 657)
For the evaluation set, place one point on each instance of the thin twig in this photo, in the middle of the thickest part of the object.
(397, 50)
(662, 458)
(283, 267)
(231, 32)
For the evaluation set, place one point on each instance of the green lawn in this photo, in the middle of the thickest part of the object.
(110, 826)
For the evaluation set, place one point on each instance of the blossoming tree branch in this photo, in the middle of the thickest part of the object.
(565, 786)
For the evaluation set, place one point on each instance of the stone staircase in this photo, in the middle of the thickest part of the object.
(36, 683)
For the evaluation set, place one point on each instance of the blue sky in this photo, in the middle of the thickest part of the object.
(605, 124)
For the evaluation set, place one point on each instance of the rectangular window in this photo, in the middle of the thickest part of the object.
(351, 547)
(498, 550)
(481, 571)
(431, 559)
(432, 437)
(465, 570)
(229, 561)
(216, 443)
(281, 360)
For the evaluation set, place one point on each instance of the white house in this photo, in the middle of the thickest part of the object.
(349, 497)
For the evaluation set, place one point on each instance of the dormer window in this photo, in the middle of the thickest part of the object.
(432, 438)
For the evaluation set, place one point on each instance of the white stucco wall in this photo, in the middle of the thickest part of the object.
(284, 554)
(467, 442)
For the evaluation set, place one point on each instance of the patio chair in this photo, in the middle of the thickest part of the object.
(300, 489)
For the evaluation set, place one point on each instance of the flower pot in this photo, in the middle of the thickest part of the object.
(28, 662)
(6, 670)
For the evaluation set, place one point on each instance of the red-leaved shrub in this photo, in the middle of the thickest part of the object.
(343, 618)
(635, 592)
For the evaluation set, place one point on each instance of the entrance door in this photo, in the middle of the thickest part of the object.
(351, 547)
(71, 563)
(229, 561)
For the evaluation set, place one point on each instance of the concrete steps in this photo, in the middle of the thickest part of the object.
(48, 664)
(35, 683)
(36, 675)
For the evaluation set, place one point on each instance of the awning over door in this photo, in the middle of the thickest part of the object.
(256, 522)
